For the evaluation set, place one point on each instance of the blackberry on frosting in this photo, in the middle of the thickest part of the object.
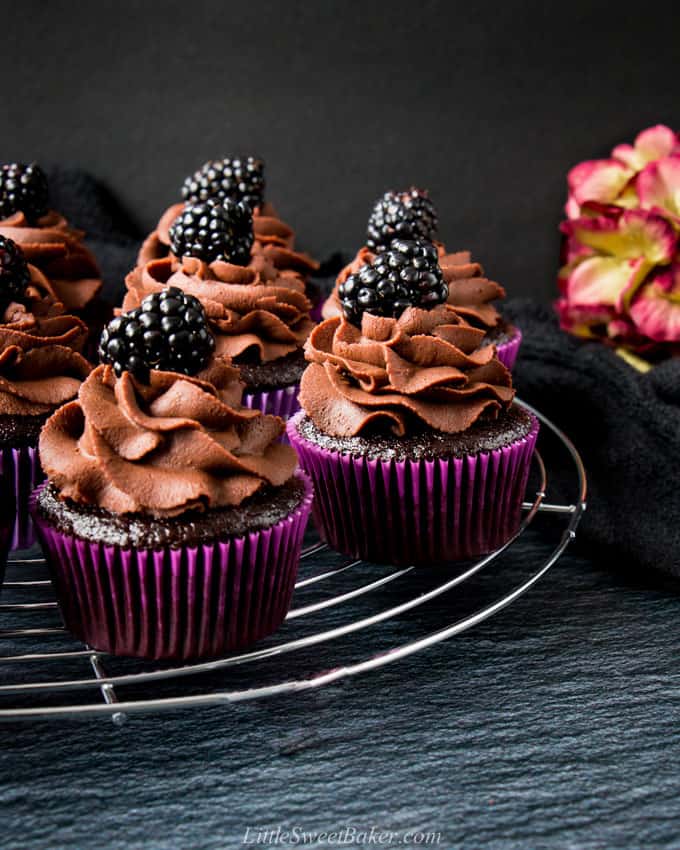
(213, 230)
(23, 188)
(407, 275)
(407, 215)
(167, 332)
(14, 272)
(237, 178)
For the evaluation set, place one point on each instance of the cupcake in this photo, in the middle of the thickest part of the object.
(51, 244)
(40, 368)
(239, 179)
(408, 428)
(172, 517)
(259, 315)
(411, 215)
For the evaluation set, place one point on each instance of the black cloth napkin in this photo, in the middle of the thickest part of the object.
(625, 424)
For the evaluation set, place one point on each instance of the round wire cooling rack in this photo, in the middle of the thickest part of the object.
(60, 677)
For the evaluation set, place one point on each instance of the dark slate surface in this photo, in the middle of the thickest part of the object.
(553, 725)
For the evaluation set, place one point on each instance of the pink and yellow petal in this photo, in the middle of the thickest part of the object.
(635, 233)
(650, 144)
(572, 208)
(582, 322)
(656, 308)
(599, 180)
(658, 186)
(604, 281)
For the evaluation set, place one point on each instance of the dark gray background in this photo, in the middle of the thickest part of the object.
(486, 104)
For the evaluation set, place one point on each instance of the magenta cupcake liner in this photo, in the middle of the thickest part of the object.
(282, 402)
(416, 512)
(193, 602)
(7, 520)
(317, 307)
(21, 468)
(507, 352)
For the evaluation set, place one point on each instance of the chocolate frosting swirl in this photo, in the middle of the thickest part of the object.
(423, 370)
(253, 310)
(274, 240)
(57, 249)
(469, 291)
(181, 443)
(40, 362)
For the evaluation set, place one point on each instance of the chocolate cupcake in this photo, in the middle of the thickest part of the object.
(408, 427)
(258, 314)
(40, 368)
(411, 215)
(51, 244)
(240, 179)
(173, 517)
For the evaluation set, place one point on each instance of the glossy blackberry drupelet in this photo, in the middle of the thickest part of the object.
(408, 275)
(406, 215)
(23, 188)
(238, 178)
(167, 332)
(14, 274)
(213, 230)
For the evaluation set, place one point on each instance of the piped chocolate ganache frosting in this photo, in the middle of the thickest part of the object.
(274, 241)
(253, 311)
(470, 292)
(40, 362)
(237, 179)
(411, 214)
(46, 238)
(422, 370)
(175, 444)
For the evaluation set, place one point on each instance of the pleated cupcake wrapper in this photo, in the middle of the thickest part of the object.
(282, 402)
(317, 307)
(7, 521)
(416, 512)
(21, 469)
(507, 352)
(193, 602)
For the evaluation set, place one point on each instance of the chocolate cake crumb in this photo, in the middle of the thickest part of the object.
(484, 436)
(260, 511)
(282, 372)
(502, 333)
(16, 432)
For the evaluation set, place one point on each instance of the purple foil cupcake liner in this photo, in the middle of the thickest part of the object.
(282, 402)
(416, 512)
(315, 312)
(21, 468)
(507, 352)
(193, 602)
(7, 520)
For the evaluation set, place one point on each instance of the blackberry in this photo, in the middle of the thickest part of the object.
(239, 179)
(213, 230)
(168, 332)
(405, 215)
(408, 275)
(23, 188)
(14, 274)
